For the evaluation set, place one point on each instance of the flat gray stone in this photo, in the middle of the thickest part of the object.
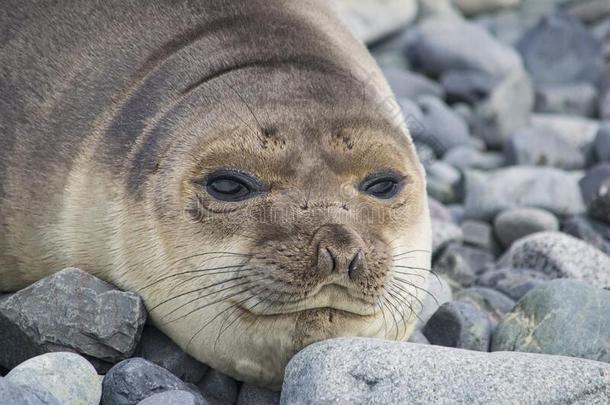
(411, 85)
(70, 311)
(516, 223)
(570, 98)
(534, 147)
(466, 157)
(563, 317)
(444, 232)
(559, 255)
(494, 303)
(575, 130)
(173, 397)
(68, 377)
(443, 128)
(554, 190)
(461, 264)
(11, 393)
(371, 371)
(252, 395)
(515, 283)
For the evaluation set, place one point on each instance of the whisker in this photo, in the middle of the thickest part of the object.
(190, 272)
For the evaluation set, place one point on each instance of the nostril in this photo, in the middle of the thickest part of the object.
(355, 263)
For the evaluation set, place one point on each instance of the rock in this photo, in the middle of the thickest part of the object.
(443, 128)
(103, 322)
(595, 187)
(438, 210)
(577, 131)
(218, 388)
(68, 377)
(559, 256)
(587, 10)
(491, 302)
(438, 292)
(438, 8)
(252, 395)
(560, 50)
(604, 104)
(411, 85)
(443, 181)
(515, 283)
(11, 393)
(554, 190)
(372, 371)
(474, 7)
(159, 349)
(601, 145)
(568, 98)
(414, 118)
(457, 212)
(517, 223)
(506, 110)
(465, 157)
(443, 233)
(562, 317)
(462, 263)
(173, 397)
(532, 147)
(135, 379)
(372, 21)
(459, 324)
(467, 86)
(418, 337)
(479, 234)
(584, 228)
(437, 45)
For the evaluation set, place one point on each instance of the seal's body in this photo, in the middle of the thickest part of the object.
(239, 164)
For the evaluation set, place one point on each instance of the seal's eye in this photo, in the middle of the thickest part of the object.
(382, 185)
(229, 185)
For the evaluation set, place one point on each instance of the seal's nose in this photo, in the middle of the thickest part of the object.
(339, 250)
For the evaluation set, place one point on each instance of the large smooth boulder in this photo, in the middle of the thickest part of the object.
(372, 371)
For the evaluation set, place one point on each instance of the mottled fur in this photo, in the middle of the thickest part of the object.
(111, 114)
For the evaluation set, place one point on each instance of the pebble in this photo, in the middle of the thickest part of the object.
(411, 85)
(438, 211)
(373, 371)
(252, 395)
(479, 234)
(444, 232)
(561, 317)
(584, 228)
(11, 393)
(438, 292)
(516, 223)
(559, 50)
(459, 324)
(461, 264)
(418, 337)
(474, 7)
(218, 388)
(601, 145)
(468, 87)
(135, 379)
(488, 194)
(595, 187)
(159, 349)
(603, 104)
(444, 129)
(492, 302)
(535, 147)
(514, 282)
(569, 98)
(173, 397)
(104, 322)
(587, 10)
(68, 377)
(559, 255)
(466, 157)
(577, 131)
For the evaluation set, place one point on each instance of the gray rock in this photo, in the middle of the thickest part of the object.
(493, 303)
(462, 263)
(562, 317)
(601, 145)
(410, 85)
(585, 229)
(438, 292)
(444, 232)
(443, 128)
(218, 388)
(604, 104)
(515, 283)
(440, 44)
(533, 147)
(173, 397)
(595, 187)
(68, 377)
(554, 190)
(559, 50)
(443, 181)
(516, 223)
(577, 131)
(252, 395)
(459, 324)
(157, 348)
(439, 9)
(467, 86)
(587, 10)
(103, 322)
(372, 371)
(465, 157)
(474, 7)
(457, 212)
(135, 379)
(11, 393)
(506, 110)
(559, 255)
(418, 337)
(438, 211)
(479, 234)
(568, 98)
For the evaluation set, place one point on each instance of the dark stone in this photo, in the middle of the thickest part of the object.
(515, 283)
(479, 234)
(252, 395)
(218, 388)
(492, 302)
(459, 324)
(583, 228)
(467, 86)
(601, 145)
(462, 263)
(595, 187)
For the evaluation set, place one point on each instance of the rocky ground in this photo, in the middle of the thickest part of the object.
(510, 112)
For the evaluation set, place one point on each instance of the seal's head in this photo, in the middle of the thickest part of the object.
(292, 208)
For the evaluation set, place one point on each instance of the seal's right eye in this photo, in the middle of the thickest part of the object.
(232, 185)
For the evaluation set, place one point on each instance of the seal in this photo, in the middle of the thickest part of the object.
(241, 165)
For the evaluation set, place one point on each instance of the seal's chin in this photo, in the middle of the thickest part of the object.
(329, 297)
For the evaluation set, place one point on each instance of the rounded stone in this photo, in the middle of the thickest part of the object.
(173, 397)
(514, 224)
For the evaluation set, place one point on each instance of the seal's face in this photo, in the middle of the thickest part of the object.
(287, 231)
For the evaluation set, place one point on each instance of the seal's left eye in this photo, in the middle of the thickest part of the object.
(382, 186)
(228, 185)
